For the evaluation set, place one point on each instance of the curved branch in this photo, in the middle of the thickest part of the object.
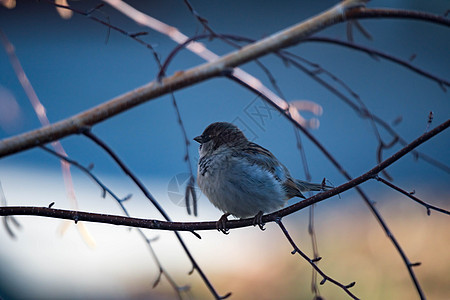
(211, 225)
(384, 55)
(363, 195)
(313, 263)
(155, 203)
(429, 207)
(74, 124)
(292, 59)
(372, 13)
(106, 190)
(288, 37)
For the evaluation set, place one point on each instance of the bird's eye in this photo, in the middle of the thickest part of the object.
(206, 139)
(200, 148)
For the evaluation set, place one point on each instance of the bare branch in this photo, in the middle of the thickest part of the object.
(7, 219)
(134, 36)
(75, 124)
(312, 262)
(155, 203)
(363, 195)
(427, 206)
(154, 89)
(372, 52)
(231, 224)
(190, 190)
(370, 13)
(273, 217)
(295, 61)
(40, 112)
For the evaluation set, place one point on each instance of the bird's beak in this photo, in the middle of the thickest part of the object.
(198, 139)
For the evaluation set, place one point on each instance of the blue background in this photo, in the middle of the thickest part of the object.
(72, 68)
(76, 64)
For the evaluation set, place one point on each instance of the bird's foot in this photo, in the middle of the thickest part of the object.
(221, 223)
(257, 220)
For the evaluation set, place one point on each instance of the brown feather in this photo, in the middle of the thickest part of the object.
(292, 189)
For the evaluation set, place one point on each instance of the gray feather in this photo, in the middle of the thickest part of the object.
(305, 186)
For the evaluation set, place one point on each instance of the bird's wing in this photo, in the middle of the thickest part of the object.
(255, 154)
(258, 155)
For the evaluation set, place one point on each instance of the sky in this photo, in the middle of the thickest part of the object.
(77, 63)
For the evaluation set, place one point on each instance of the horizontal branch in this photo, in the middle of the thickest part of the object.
(192, 226)
(76, 123)
(348, 9)
(429, 207)
(443, 82)
(376, 13)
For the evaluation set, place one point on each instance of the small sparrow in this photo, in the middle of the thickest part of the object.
(242, 178)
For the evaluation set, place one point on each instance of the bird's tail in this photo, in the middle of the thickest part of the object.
(305, 186)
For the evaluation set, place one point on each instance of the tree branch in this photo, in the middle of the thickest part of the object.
(76, 123)
(155, 203)
(373, 52)
(211, 225)
(371, 13)
(313, 263)
(429, 207)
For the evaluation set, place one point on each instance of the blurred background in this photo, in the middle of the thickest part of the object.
(76, 63)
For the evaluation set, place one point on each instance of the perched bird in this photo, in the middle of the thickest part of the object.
(242, 178)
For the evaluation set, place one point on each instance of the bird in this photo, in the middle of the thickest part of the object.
(242, 178)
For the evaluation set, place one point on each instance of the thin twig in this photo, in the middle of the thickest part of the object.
(190, 192)
(311, 226)
(373, 52)
(371, 13)
(358, 189)
(272, 80)
(295, 61)
(364, 113)
(201, 19)
(7, 219)
(155, 203)
(214, 34)
(231, 224)
(312, 262)
(363, 195)
(88, 14)
(115, 106)
(409, 195)
(40, 112)
(106, 190)
(74, 124)
(85, 124)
